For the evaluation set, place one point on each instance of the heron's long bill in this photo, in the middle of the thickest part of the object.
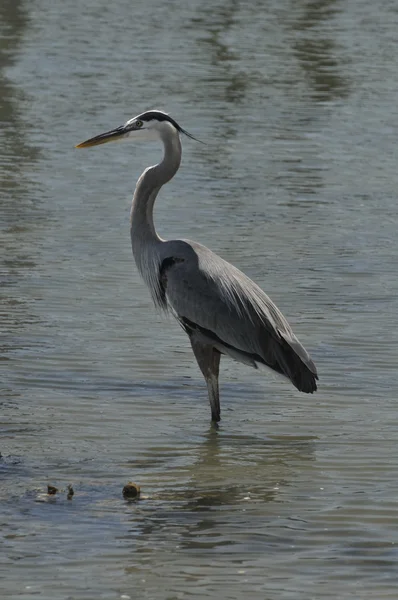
(109, 136)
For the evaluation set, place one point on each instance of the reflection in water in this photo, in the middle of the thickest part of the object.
(231, 83)
(16, 154)
(316, 10)
(317, 54)
(224, 83)
(318, 62)
(237, 474)
(222, 474)
(17, 209)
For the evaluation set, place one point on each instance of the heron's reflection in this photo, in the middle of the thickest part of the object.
(230, 468)
(232, 476)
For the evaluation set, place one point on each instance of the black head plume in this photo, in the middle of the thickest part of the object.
(161, 116)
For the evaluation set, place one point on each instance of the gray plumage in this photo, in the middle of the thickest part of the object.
(219, 307)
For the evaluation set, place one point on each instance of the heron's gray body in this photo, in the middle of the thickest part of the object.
(221, 309)
(220, 306)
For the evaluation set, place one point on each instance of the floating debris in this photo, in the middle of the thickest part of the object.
(71, 492)
(51, 490)
(131, 490)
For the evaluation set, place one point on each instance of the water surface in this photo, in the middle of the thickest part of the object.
(294, 496)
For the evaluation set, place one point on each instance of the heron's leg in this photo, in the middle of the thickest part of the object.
(208, 359)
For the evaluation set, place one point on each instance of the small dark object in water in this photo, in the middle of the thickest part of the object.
(51, 490)
(131, 490)
(71, 492)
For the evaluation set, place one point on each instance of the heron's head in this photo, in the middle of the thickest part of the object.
(150, 125)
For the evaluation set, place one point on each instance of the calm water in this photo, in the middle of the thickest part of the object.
(295, 497)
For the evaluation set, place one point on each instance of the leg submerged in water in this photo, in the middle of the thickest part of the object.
(208, 359)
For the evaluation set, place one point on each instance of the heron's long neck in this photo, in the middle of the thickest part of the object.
(144, 239)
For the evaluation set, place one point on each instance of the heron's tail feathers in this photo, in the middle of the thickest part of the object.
(295, 363)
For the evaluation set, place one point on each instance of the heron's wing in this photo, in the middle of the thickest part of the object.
(210, 295)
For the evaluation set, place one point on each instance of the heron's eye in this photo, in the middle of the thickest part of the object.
(139, 124)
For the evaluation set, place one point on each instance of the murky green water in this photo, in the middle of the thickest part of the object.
(295, 497)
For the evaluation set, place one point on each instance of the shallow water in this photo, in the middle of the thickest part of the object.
(294, 496)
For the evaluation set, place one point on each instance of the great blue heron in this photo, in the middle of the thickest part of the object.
(220, 308)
